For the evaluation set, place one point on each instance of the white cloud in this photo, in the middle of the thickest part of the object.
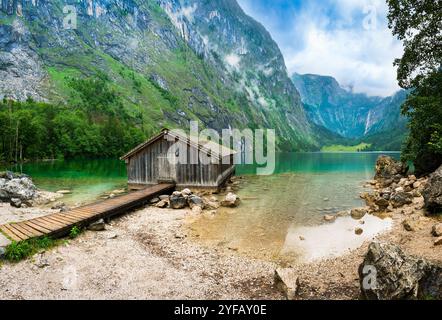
(233, 60)
(330, 37)
(363, 60)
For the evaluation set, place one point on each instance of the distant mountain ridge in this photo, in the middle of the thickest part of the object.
(351, 115)
(172, 61)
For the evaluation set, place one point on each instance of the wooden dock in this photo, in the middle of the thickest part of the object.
(60, 224)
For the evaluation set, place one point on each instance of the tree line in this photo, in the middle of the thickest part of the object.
(94, 124)
(418, 24)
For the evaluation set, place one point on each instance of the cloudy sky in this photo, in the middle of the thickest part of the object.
(347, 39)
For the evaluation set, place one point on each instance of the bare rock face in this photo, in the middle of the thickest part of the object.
(432, 192)
(387, 273)
(388, 169)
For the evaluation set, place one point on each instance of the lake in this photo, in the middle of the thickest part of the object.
(275, 212)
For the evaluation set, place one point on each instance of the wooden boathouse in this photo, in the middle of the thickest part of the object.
(156, 161)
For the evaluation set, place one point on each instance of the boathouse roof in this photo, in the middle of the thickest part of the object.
(208, 147)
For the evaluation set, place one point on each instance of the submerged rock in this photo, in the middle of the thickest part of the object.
(231, 200)
(287, 282)
(358, 213)
(387, 273)
(329, 218)
(432, 192)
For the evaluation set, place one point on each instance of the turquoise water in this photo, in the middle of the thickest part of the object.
(87, 179)
(275, 210)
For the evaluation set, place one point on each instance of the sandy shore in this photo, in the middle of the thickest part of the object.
(148, 255)
(143, 255)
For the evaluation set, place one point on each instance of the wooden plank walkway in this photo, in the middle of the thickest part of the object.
(60, 224)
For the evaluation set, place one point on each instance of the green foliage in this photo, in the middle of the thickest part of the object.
(94, 124)
(417, 24)
(165, 94)
(75, 232)
(18, 251)
(340, 148)
(424, 108)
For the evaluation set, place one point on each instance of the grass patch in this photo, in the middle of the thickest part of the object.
(18, 251)
(75, 232)
(341, 148)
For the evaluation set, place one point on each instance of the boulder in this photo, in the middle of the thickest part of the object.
(58, 206)
(359, 231)
(178, 201)
(389, 169)
(382, 203)
(19, 187)
(387, 273)
(400, 199)
(231, 200)
(437, 230)
(195, 201)
(287, 282)
(162, 204)
(358, 213)
(438, 241)
(186, 192)
(99, 225)
(15, 202)
(164, 197)
(432, 192)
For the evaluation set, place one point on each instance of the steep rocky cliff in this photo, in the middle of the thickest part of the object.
(346, 113)
(172, 61)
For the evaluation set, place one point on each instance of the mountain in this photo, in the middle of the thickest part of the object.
(351, 115)
(171, 61)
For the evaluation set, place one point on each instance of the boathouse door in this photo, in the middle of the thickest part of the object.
(166, 170)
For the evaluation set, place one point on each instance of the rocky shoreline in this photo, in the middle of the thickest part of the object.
(407, 260)
(156, 236)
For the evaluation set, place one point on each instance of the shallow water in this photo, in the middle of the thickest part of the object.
(277, 210)
(87, 179)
